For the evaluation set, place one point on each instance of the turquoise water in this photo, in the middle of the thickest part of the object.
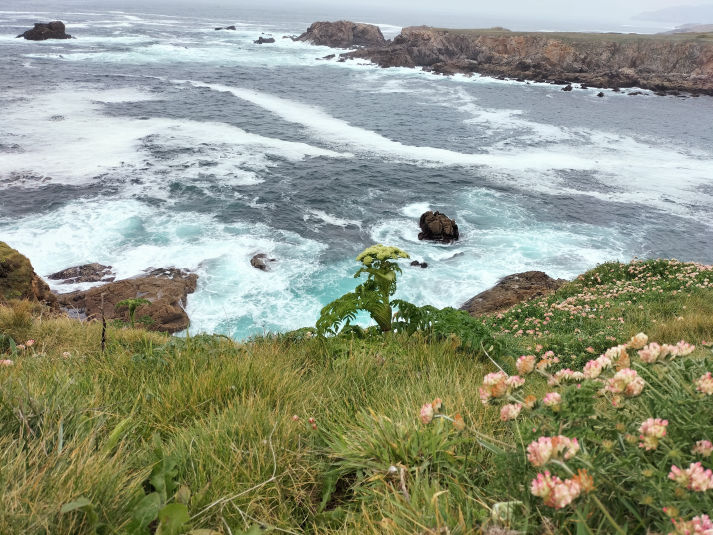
(152, 140)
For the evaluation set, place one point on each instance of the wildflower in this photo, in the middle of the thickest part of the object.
(703, 447)
(616, 352)
(698, 525)
(555, 492)
(552, 400)
(437, 404)
(638, 341)
(590, 349)
(530, 401)
(29, 343)
(695, 477)
(426, 414)
(510, 411)
(705, 384)
(542, 450)
(565, 375)
(593, 369)
(525, 364)
(651, 431)
(6, 362)
(627, 382)
(311, 420)
(684, 349)
(295, 418)
(584, 480)
(21, 347)
(650, 353)
(496, 385)
(458, 422)
(66, 354)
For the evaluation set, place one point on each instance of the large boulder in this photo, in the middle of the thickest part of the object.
(46, 30)
(18, 279)
(166, 289)
(512, 290)
(436, 226)
(84, 273)
(343, 34)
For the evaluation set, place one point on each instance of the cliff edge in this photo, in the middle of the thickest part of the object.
(662, 63)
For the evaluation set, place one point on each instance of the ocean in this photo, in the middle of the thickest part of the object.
(152, 140)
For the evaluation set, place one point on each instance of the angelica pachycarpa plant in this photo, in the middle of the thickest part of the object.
(373, 295)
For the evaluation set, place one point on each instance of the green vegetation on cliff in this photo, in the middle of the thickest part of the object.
(303, 434)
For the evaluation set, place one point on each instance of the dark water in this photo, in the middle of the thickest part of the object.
(153, 140)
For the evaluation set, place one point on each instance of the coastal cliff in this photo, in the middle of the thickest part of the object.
(662, 63)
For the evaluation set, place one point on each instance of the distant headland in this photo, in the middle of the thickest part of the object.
(663, 63)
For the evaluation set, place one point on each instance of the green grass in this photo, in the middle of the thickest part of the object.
(96, 425)
(587, 36)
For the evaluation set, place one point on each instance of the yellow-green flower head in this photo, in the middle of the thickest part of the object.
(380, 252)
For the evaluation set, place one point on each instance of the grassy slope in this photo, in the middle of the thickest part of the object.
(89, 424)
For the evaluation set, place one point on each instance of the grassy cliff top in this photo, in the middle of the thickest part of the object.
(300, 434)
(706, 37)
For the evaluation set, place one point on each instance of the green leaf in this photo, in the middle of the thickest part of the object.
(79, 503)
(146, 511)
(172, 518)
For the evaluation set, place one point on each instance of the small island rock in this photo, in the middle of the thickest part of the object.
(46, 30)
(343, 34)
(436, 226)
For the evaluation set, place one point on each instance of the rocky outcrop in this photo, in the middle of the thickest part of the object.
(264, 40)
(343, 34)
(226, 28)
(18, 279)
(436, 226)
(658, 62)
(512, 290)
(48, 30)
(166, 289)
(260, 261)
(84, 273)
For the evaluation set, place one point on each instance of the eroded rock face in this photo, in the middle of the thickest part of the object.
(18, 279)
(436, 226)
(49, 30)
(84, 273)
(343, 34)
(512, 290)
(659, 63)
(166, 289)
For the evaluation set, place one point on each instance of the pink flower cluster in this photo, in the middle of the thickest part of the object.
(552, 399)
(565, 375)
(651, 431)
(705, 384)
(497, 385)
(703, 447)
(614, 353)
(638, 341)
(654, 352)
(593, 368)
(555, 492)
(428, 411)
(510, 411)
(695, 477)
(626, 382)
(698, 525)
(525, 364)
(6, 362)
(544, 449)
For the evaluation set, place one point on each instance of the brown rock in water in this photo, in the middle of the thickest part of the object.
(18, 279)
(49, 30)
(166, 289)
(264, 40)
(343, 34)
(512, 290)
(260, 260)
(84, 273)
(437, 227)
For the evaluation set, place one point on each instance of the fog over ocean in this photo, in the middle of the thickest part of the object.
(153, 140)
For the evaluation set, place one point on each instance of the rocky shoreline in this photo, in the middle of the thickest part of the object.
(665, 64)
